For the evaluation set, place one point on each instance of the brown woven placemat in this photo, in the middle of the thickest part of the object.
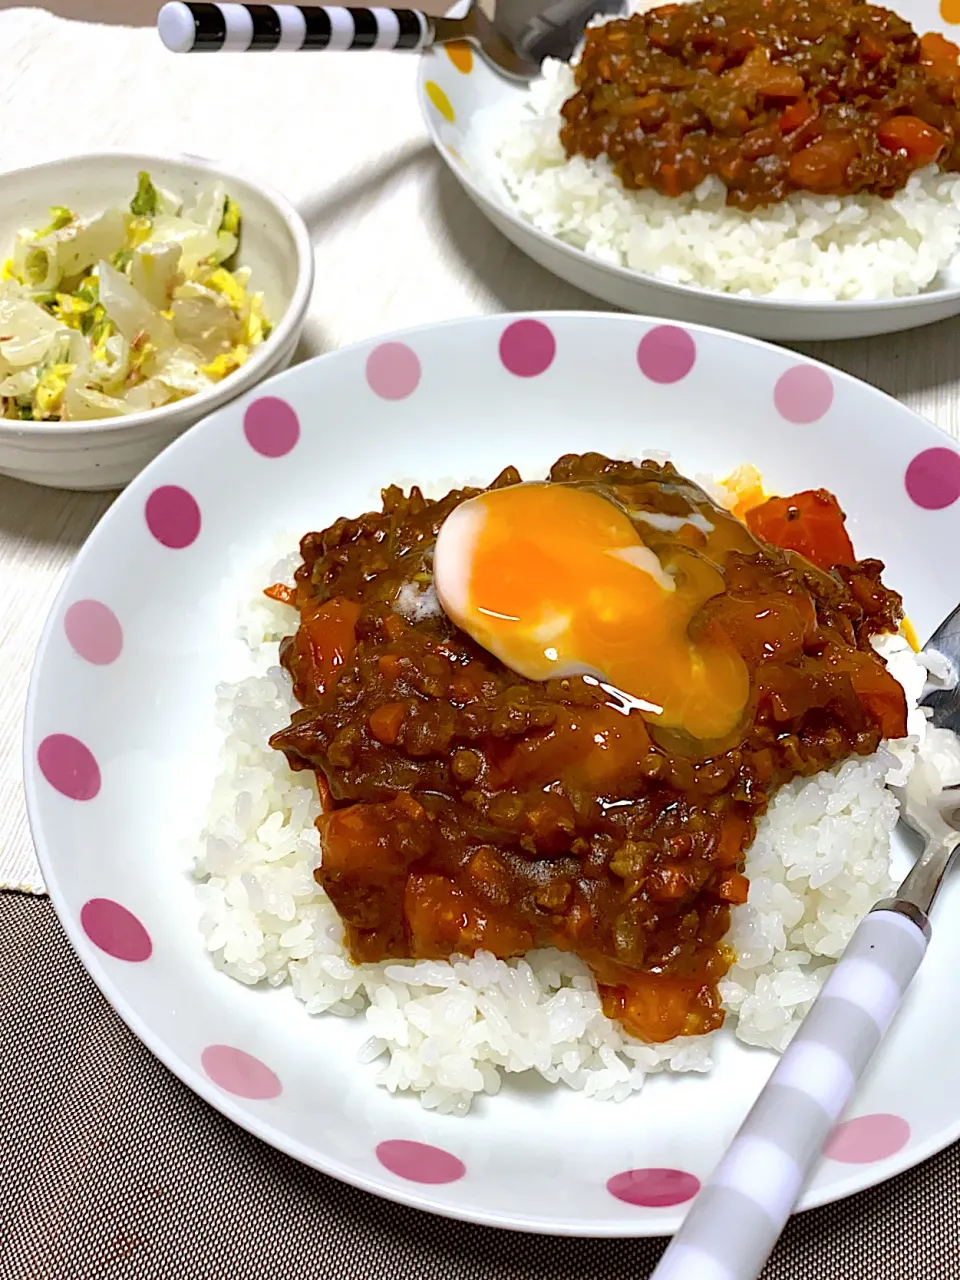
(110, 1169)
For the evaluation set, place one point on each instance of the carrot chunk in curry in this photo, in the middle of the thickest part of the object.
(468, 808)
(769, 96)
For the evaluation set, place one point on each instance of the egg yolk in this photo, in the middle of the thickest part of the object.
(555, 580)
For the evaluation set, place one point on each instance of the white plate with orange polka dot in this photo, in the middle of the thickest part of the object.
(464, 101)
(120, 743)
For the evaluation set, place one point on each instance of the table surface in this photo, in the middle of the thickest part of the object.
(397, 244)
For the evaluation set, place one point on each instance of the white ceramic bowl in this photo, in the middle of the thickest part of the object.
(275, 245)
(453, 90)
(121, 750)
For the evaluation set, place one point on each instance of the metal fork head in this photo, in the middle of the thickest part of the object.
(942, 691)
(476, 29)
(517, 36)
(932, 817)
(934, 812)
(935, 821)
(553, 30)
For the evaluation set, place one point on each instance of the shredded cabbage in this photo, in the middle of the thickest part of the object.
(128, 310)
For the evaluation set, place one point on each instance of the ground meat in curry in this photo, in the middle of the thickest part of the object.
(770, 96)
(466, 808)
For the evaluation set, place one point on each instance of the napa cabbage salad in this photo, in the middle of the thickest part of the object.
(125, 311)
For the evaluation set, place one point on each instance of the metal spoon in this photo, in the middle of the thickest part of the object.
(737, 1217)
(512, 41)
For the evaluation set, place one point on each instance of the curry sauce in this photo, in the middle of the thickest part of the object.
(467, 808)
(769, 96)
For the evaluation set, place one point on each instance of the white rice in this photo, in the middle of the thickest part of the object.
(416, 602)
(448, 1031)
(818, 248)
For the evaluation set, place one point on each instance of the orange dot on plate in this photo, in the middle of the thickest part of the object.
(950, 10)
(461, 55)
(440, 100)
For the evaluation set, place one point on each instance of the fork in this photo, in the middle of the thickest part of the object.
(737, 1217)
(515, 44)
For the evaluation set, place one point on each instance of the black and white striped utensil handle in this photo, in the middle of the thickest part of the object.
(239, 28)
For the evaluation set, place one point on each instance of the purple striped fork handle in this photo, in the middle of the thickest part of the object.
(735, 1221)
(239, 28)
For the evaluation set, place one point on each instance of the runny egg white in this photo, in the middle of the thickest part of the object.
(555, 580)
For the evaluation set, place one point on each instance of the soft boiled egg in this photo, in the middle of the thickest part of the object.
(555, 580)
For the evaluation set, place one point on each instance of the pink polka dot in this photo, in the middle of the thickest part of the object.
(69, 766)
(393, 371)
(418, 1162)
(239, 1072)
(666, 354)
(115, 930)
(173, 516)
(527, 348)
(271, 426)
(933, 478)
(867, 1138)
(94, 631)
(654, 1188)
(803, 394)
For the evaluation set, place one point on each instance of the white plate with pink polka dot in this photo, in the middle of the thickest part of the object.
(120, 744)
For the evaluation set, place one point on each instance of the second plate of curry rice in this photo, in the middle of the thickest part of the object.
(786, 169)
